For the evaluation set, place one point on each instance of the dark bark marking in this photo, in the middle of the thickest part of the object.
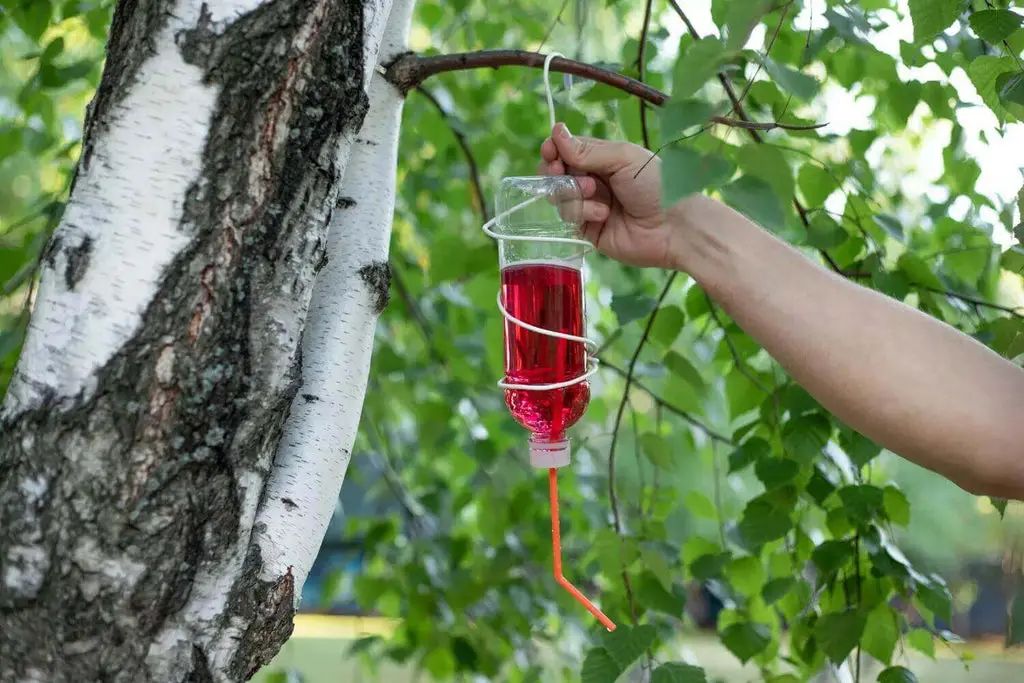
(291, 504)
(377, 276)
(310, 398)
(78, 262)
(346, 202)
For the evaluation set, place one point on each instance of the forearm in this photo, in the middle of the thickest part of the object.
(905, 380)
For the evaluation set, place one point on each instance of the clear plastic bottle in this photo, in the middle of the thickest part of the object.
(541, 262)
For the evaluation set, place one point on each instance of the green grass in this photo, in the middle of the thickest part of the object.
(325, 660)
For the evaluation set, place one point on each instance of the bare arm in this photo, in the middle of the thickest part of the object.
(909, 382)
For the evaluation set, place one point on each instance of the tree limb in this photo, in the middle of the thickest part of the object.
(642, 69)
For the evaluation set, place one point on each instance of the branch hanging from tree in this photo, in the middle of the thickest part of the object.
(641, 59)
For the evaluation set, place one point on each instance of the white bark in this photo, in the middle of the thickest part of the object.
(122, 225)
(316, 446)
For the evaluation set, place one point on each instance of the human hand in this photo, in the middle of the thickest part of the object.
(622, 196)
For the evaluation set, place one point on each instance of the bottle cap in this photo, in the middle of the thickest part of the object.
(547, 454)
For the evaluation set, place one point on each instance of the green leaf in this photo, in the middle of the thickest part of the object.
(698, 64)
(599, 667)
(1000, 505)
(678, 115)
(995, 25)
(630, 307)
(685, 171)
(757, 200)
(679, 366)
(860, 449)
(897, 674)
(983, 72)
(816, 184)
(667, 325)
(805, 437)
(934, 594)
(863, 502)
(776, 472)
(32, 17)
(767, 163)
(747, 640)
(741, 19)
(838, 634)
(746, 574)
(678, 673)
(762, 523)
(625, 644)
(799, 84)
(657, 450)
(709, 566)
(831, 556)
(1010, 87)
(750, 451)
(654, 596)
(890, 225)
(897, 507)
(921, 640)
(700, 505)
(881, 634)
(776, 589)
(914, 267)
(931, 17)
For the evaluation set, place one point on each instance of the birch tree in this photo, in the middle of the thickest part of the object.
(189, 393)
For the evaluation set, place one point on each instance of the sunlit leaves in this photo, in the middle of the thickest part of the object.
(696, 66)
(995, 25)
(933, 16)
(792, 81)
(881, 633)
(984, 72)
(1010, 86)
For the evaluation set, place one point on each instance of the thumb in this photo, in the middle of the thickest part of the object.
(591, 155)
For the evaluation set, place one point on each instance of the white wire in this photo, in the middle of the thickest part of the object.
(592, 364)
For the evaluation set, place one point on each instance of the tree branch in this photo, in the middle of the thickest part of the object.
(474, 169)
(679, 412)
(642, 69)
(410, 70)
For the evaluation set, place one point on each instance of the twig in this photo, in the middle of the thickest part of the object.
(737, 361)
(658, 400)
(642, 69)
(763, 126)
(551, 29)
(474, 169)
(616, 518)
(1014, 311)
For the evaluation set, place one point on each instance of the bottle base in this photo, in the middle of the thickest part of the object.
(548, 454)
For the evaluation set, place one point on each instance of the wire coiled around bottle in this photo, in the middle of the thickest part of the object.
(590, 344)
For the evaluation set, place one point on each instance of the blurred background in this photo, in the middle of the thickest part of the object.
(436, 564)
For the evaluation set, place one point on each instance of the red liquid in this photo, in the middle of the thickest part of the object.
(551, 297)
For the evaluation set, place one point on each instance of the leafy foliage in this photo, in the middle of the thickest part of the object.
(727, 473)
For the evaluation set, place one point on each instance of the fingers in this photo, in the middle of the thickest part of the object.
(548, 151)
(592, 155)
(551, 168)
(595, 211)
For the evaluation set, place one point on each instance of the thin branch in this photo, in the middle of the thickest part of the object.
(745, 124)
(661, 402)
(551, 29)
(474, 169)
(966, 298)
(616, 518)
(642, 69)
(737, 361)
(410, 70)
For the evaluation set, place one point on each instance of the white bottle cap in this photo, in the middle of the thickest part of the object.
(547, 454)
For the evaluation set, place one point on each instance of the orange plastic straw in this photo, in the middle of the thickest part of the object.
(556, 545)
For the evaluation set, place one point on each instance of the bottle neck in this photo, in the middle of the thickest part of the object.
(548, 453)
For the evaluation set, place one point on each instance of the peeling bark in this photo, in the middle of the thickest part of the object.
(164, 352)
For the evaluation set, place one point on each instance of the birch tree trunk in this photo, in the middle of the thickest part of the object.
(165, 351)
